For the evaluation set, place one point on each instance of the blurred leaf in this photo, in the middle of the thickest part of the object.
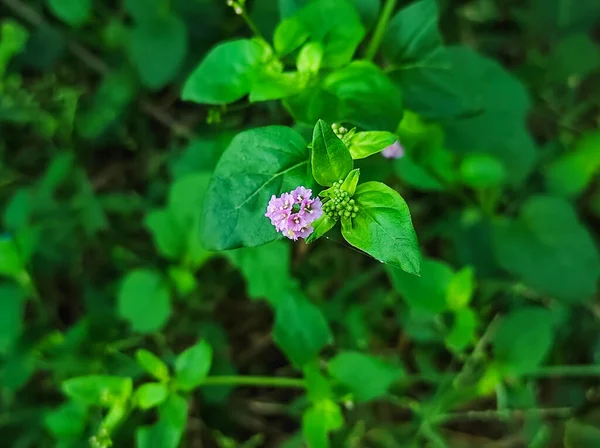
(310, 58)
(549, 249)
(556, 17)
(72, 12)
(416, 176)
(11, 264)
(368, 11)
(460, 288)
(482, 171)
(330, 159)
(523, 339)
(300, 330)
(157, 48)
(144, 300)
(193, 365)
(67, 421)
(99, 390)
(270, 85)
(581, 435)
(167, 432)
(574, 56)
(12, 303)
(367, 377)
(13, 37)
(226, 74)
(149, 395)
(319, 420)
(266, 269)
(364, 144)
(152, 364)
(146, 10)
(427, 292)
(463, 331)
(570, 174)
(275, 160)
(383, 227)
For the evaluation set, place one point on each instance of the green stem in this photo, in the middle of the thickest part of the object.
(252, 25)
(384, 18)
(494, 414)
(256, 381)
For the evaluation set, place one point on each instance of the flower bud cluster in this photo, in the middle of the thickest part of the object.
(340, 204)
(338, 130)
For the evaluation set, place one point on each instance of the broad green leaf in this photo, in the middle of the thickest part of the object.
(273, 85)
(573, 58)
(68, 420)
(319, 420)
(99, 390)
(463, 330)
(318, 386)
(300, 330)
(72, 12)
(549, 250)
(193, 364)
(460, 288)
(367, 377)
(152, 364)
(266, 269)
(13, 37)
(416, 175)
(157, 49)
(167, 432)
(169, 237)
(523, 339)
(351, 182)
(144, 300)
(365, 97)
(570, 174)
(11, 263)
(310, 58)
(363, 144)
(321, 226)
(12, 303)
(482, 171)
(383, 227)
(149, 395)
(330, 159)
(333, 23)
(427, 292)
(257, 164)
(226, 74)
(581, 435)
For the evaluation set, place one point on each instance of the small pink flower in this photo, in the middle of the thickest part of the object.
(293, 213)
(394, 151)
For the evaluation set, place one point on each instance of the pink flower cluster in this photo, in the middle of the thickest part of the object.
(293, 213)
(394, 151)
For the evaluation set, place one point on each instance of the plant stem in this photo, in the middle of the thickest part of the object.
(494, 414)
(256, 381)
(384, 18)
(251, 25)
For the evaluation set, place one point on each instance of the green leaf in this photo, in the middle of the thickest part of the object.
(482, 171)
(167, 432)
(462, 333)
(193, 364)
(365, 97)
(13, 38)
(152, 364)
(523, 339)
(320, 227)
(382, 227)
(273, 86)
(100, 390)
(333, 23)
(300, 330)
(146, 10)
(72, 12)
(427, 292)
(67, 421)
(416, 175)
(581, 435)
(570, 174)
(318, 387)
(149, 395)
(144, 300)
(310, 58)
(351, 182)
(330, 159)
(12, 304)
(460, 289)
(11, 264)
(549, 250)
(367, 377)
(257, 164)
(266, 269)
(573, 58)
(319, 420)
(157, 49)
(363, 144)
(226, 74)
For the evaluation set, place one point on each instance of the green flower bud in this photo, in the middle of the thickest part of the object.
(338, 206)
(353, 215)
(355, 209)
(352, 201)
(347, 214)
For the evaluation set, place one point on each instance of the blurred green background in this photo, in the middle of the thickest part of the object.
(103, 170)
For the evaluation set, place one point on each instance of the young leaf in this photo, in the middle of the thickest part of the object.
(460, 289)
(152, 364)
(320, 227)
(351, 181)
(167, 432)
(193, 364)
(12, 302)
(11, 264)
(270, 86)
(301, 330)
(226, 74)
(363, 144)
(157, 48)
(144, 300)
(524, 338)
(74, 13)
(310, 58)
(257, 164)
(149, 395)
(368, 378)
(462, 333)
(100, 390)
(482, 171)
(382, 227)
(68, 420)
(319, 420)
(330, 159)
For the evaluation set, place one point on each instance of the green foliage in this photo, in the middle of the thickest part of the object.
(193, 365)
(330, 159)
(75, 13)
